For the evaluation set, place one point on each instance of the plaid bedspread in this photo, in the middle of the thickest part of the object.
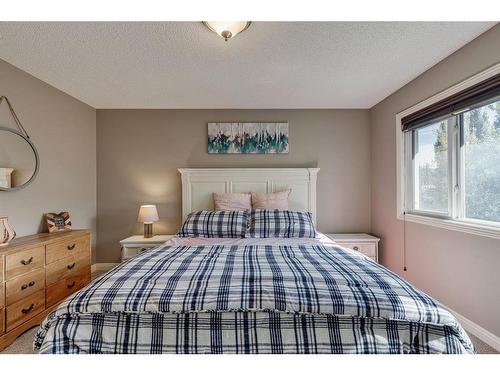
(251, 299)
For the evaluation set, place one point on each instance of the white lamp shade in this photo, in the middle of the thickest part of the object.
(226, 29)
(148, 214)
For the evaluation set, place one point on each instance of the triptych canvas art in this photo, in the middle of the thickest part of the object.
(248, 138)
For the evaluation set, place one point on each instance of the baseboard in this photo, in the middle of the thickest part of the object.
(478, 331)
(103, 267)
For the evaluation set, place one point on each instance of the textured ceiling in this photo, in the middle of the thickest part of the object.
(271, 65)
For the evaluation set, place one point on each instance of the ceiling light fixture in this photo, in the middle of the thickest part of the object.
(227, 30)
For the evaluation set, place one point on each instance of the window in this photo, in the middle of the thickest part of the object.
(431, 174)
(452, 166)
(480, 147)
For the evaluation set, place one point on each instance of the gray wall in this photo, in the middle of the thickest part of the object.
(139, 151)
(460, 270)
(63, 130)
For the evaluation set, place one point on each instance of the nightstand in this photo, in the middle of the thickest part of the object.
(362, 242)
(134, 245)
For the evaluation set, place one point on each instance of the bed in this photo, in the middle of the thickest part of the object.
(250, 295)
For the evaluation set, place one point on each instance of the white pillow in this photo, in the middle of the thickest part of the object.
(271, 201)
(232, 201)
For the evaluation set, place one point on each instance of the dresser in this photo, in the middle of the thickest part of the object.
(36, 273)
(131, 246)
(361, 242)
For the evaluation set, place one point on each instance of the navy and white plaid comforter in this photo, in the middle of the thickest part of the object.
(251, 299)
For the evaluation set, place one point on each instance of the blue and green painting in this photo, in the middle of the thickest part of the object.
(248, 138)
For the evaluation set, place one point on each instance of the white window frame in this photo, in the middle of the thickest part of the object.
(451, 221)
(410, 169)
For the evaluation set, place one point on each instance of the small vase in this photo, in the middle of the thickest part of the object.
(7, 233)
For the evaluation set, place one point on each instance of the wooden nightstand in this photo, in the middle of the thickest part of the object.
(362, 242)
(134, 245)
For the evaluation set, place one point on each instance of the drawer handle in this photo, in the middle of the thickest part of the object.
(72, 285)
(26, 262)
(26, 286)
(71, 247)
(355, 248)
(25, 311)
(71, 266)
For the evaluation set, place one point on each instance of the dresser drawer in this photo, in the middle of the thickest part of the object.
(25, 261)
(1, 269)
(22, 286)
(25, 309)
(368, 249)
(67, 286)
(2, 321)
(71, 246)
(2, 301)
(67, 267)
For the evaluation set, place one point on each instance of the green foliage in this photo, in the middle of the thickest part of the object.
(433, 178)
(481, 150)
(496, 109)
(482, 163)
(262, 142)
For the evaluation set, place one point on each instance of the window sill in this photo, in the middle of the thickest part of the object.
(459, 226)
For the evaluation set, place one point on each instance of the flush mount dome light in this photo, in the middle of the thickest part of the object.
(227, 30)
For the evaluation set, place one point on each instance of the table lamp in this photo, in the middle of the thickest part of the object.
(148, 214)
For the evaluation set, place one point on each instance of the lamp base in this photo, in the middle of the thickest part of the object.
(148, 230)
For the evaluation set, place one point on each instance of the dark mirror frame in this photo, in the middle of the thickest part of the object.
(37, 159)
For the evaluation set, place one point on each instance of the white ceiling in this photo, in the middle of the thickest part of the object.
(271, 65)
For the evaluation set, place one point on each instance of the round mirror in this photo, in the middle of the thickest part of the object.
(18, 159)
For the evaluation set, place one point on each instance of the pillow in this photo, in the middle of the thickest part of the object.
(225, 224)
(232, 201)
(270, 201)
(280, 223)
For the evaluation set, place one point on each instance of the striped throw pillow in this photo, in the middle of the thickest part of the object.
(224, 224)
(280, 223)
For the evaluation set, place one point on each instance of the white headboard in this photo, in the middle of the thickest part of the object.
(198, 185)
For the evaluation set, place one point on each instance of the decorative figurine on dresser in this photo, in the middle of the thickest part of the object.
(36, 273)
(7, 233)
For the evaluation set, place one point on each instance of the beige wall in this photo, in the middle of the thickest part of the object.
(460, 270)
(63, 130)
(139, 151)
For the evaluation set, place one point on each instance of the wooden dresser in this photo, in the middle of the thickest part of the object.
(36, 273)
